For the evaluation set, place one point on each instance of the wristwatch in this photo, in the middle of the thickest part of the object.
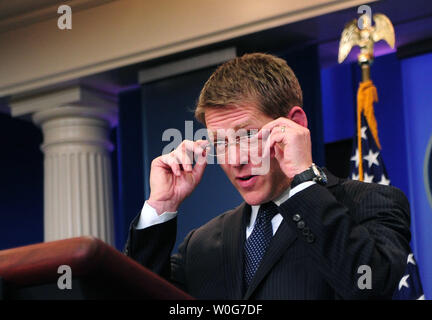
(313, 173)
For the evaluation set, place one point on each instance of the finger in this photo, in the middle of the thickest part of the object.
(183, 156)
(276, 136)
(279, 122)
(199, 167)
(200, 156)
(175, 162)
(189, 151)
(187, 154)
(263, 133)
(202, 143)
(191, 146)
(171, 161)
(199, 149)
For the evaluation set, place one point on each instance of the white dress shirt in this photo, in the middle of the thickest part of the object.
(149, 216)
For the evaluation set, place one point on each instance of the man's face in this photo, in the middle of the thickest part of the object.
(255, 189)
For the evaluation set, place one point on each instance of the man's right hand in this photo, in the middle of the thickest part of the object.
(173, 176)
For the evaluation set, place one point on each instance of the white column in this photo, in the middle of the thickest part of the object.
(77, 172)
(76, 124)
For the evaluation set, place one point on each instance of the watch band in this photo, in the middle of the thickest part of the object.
(313, 173)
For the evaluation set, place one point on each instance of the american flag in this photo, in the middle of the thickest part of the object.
(373, 165)
(409, 287)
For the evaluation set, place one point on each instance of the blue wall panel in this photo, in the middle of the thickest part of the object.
(416, 82)
(130, 194)
(338, 102)
(21, 183)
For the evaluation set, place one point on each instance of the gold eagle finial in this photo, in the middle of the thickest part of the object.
(366, 36)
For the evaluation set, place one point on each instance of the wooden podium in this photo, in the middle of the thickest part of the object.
(98, 272)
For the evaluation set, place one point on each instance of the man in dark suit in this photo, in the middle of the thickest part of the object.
(301, 232)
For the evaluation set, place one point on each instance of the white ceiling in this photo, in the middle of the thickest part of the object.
(11, 8)
(19, 13)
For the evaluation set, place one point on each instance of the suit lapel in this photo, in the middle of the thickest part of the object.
(234, 234)
(282, 240)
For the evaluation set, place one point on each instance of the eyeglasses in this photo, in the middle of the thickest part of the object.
(247, 142)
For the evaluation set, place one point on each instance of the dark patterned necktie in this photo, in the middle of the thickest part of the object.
(259, 240)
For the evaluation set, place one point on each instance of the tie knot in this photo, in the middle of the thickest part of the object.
(268, 210)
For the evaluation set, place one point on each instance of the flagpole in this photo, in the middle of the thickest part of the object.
(365, 37)
(365, 67)
(365, 60)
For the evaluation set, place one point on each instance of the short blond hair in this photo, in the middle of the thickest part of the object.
(259, 78)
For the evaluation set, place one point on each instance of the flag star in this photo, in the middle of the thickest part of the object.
(410, 259)
(356, 158)
(363, 132)
(354, 176)
(422, 297)
(368, 178)
(403, 282)
(372, 158)
(384, 180)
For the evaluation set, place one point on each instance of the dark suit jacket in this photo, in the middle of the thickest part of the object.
(347, 224)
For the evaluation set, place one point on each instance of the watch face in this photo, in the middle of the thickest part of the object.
(320, 176)
(315, 170)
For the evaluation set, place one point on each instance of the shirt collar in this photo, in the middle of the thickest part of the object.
(278, 201)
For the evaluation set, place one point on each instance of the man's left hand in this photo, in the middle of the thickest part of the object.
(289, 143)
